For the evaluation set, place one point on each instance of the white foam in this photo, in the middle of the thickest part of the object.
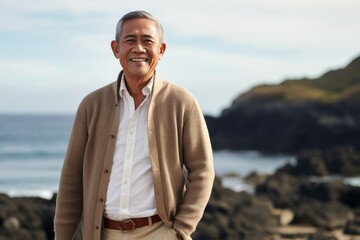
(46, 194)
(354, 181)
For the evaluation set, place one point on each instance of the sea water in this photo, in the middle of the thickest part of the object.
(32, 150)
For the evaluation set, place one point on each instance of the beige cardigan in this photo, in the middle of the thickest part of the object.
(178, 137)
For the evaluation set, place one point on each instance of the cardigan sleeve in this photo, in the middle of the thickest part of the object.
(69, 199)
(198, 160)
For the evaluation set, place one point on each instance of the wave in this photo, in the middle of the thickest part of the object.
(43, 193)
(30, 155)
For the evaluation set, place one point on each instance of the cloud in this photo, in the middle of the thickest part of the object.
(14, 71)
(215, 48)
(280, 24)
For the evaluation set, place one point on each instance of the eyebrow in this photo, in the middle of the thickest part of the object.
(142, 36)
(130, 36)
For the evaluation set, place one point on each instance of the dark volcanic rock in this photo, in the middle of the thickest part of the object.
(285, 126)
(231, 215)
(326, 205)
(26, 218)
(322, 235)
(353, 226)
(344, 161)
(287, 191)
(329, 216)
(351, 197)
(282, 189)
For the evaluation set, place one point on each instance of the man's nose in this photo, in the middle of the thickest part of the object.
(138, 47)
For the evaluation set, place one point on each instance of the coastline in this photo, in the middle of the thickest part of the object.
(239, 215)
(281, 203)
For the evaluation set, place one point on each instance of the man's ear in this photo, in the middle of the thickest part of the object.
(115, 48)
(162, 50)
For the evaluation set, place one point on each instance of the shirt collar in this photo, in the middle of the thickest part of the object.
(146, 90)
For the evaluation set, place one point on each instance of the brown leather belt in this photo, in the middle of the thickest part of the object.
(130, 224)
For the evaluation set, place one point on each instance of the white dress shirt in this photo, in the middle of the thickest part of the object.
(131, 190)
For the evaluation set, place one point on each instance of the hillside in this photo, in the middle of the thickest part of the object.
(332, 86)
(298, 113)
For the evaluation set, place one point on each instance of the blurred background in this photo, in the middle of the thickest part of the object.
(278, 82)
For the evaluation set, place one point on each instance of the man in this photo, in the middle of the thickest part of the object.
(139, 161)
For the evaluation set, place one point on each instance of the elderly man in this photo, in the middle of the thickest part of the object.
(139, 162)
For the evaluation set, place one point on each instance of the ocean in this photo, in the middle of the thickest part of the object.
(32, 150)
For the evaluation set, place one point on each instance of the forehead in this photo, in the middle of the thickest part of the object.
(139, 26)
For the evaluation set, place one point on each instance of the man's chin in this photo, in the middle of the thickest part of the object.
(139, 74)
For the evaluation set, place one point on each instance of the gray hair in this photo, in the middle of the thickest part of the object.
(134, 15)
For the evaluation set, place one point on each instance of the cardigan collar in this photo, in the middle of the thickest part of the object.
(157, 85)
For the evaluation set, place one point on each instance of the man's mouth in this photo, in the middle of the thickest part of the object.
(138, 59)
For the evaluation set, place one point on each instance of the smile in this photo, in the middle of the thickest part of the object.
(138, 59)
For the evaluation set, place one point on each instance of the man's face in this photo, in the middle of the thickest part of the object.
(139, 48)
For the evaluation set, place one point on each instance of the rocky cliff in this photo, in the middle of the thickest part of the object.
(295, 114)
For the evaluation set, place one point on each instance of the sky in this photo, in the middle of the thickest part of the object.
(54, 52)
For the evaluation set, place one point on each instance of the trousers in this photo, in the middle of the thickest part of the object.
(156, 231)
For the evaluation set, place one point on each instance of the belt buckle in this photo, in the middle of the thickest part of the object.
(125, 222)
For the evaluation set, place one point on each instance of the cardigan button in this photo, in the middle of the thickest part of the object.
(112, 136)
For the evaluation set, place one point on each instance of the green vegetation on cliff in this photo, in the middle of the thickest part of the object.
(334, 85)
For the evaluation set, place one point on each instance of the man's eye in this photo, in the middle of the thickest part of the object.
(148, 41)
